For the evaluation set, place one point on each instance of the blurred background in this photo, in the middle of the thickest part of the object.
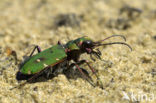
(25, 23)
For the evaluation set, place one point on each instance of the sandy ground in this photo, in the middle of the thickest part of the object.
(24, 23)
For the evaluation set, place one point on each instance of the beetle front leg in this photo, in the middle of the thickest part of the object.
(90, 67)
(83, 74)
(38, 49)
(93, 71)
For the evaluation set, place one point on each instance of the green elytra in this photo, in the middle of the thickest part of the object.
(49, 57)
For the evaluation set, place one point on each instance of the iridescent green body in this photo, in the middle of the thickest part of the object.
(59, 56)
(48, 57)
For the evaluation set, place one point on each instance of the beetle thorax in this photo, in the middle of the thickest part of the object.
(76, 47)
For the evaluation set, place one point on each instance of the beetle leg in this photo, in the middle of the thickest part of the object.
(77, 66)
(97, 54)
(38, 49)
(91, 56)
(98, 51)
(93, 71)
(90, 67)
(59, 43)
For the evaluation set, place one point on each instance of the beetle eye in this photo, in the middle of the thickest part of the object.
(87, 44)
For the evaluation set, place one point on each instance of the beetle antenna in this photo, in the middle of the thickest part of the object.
(116, 43)
(111, 37)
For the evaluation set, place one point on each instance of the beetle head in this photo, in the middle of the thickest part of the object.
(90, 47)
(87, 46)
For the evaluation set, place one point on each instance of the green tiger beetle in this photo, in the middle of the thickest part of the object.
(60, 54)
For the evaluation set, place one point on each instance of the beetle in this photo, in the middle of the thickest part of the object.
(62, 54)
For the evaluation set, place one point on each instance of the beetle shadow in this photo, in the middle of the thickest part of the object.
(70, 73)
(75, 73)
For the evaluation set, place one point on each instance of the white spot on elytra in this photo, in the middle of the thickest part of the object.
(29, 72)
(38, 60)
(45, 65)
